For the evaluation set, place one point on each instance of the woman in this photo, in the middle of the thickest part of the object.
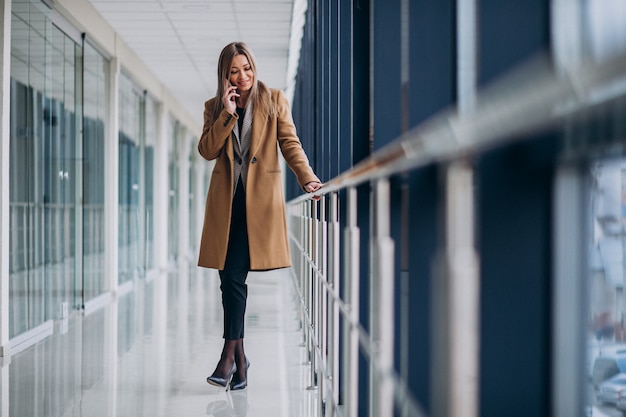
(245, 224)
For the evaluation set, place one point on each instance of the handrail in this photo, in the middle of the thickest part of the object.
(533, 98)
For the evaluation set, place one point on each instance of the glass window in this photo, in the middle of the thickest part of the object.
(152, 131)
(174, 132)
(607, 248)
(130, 220)
(194, 241)
(95, 103)
(44, 172)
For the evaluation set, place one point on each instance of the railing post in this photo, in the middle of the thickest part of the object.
(351, 284)
(312, 292)
(382, 304)
(456, 316)
(301, 280)
(333, 281)
(323, 298)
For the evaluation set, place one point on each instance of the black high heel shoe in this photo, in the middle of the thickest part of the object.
(236, 384)
(222, 382)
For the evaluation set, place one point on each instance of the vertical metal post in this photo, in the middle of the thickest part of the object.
(456, 295)
(569, 293)
(305, 280)
(456, 287)
(312, 283)
(351, 284)
(301, 275)
(466, 54)
(567, 33)
(569, 299)
(333, 321)
(323, 305)
(382, 304)
(299, 210)
(405, 299)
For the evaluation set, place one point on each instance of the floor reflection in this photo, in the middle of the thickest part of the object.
(149, 352)
(234, 405)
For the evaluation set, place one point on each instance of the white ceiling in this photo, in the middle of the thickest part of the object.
(180, 40)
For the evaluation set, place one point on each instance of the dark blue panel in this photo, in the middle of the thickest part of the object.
(414, 231)
(423, 233)
(361, 145)
(432, 49)
(363, 222)
(345, 86)
(515, 194)
(304, 103)
(387, 72)
(333, 92)
(321, 89)
(511, 31)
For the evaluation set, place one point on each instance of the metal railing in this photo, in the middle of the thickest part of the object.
(315, 237)
(327, 281)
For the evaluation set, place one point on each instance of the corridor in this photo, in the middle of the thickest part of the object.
(466, 256)
(149, 352)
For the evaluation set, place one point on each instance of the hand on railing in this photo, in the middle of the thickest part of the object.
(312, 187)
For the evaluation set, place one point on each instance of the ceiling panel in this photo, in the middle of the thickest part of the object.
(180, 40)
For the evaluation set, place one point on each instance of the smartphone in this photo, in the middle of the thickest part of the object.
(236, 89)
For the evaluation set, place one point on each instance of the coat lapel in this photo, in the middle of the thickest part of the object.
(237, 136)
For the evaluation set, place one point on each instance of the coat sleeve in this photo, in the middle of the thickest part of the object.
(215, 132)
(289, 143)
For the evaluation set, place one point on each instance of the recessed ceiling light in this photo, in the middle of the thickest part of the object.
(197, 7)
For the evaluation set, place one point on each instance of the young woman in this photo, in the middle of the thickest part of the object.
(245, 224)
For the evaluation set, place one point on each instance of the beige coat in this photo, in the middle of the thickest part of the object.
(265, 201)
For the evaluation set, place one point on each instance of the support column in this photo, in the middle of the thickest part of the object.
(5, 141)
(111, 180)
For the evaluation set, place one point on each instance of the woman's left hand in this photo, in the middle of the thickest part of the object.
(312, 187)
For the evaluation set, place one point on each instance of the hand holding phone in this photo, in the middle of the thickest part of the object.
(230, 94)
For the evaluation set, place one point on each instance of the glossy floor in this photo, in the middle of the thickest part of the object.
(148, 353)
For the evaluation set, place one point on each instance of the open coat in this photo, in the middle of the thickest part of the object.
(265, 201)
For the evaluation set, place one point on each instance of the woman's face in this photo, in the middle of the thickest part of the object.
(241, 74)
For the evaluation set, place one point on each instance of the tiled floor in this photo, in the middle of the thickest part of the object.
(149, 352)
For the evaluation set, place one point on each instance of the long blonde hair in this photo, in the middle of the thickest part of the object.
(260, 95)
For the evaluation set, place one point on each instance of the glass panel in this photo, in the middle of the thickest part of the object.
(607, 339)
(95, 103)
(43, 188)
(174, 189)
(152, 130)
(193, 215)
(60, 181)
(130, 111)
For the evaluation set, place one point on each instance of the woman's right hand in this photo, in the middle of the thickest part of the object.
(228, 99)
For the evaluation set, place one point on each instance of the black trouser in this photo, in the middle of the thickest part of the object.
(233, 276)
